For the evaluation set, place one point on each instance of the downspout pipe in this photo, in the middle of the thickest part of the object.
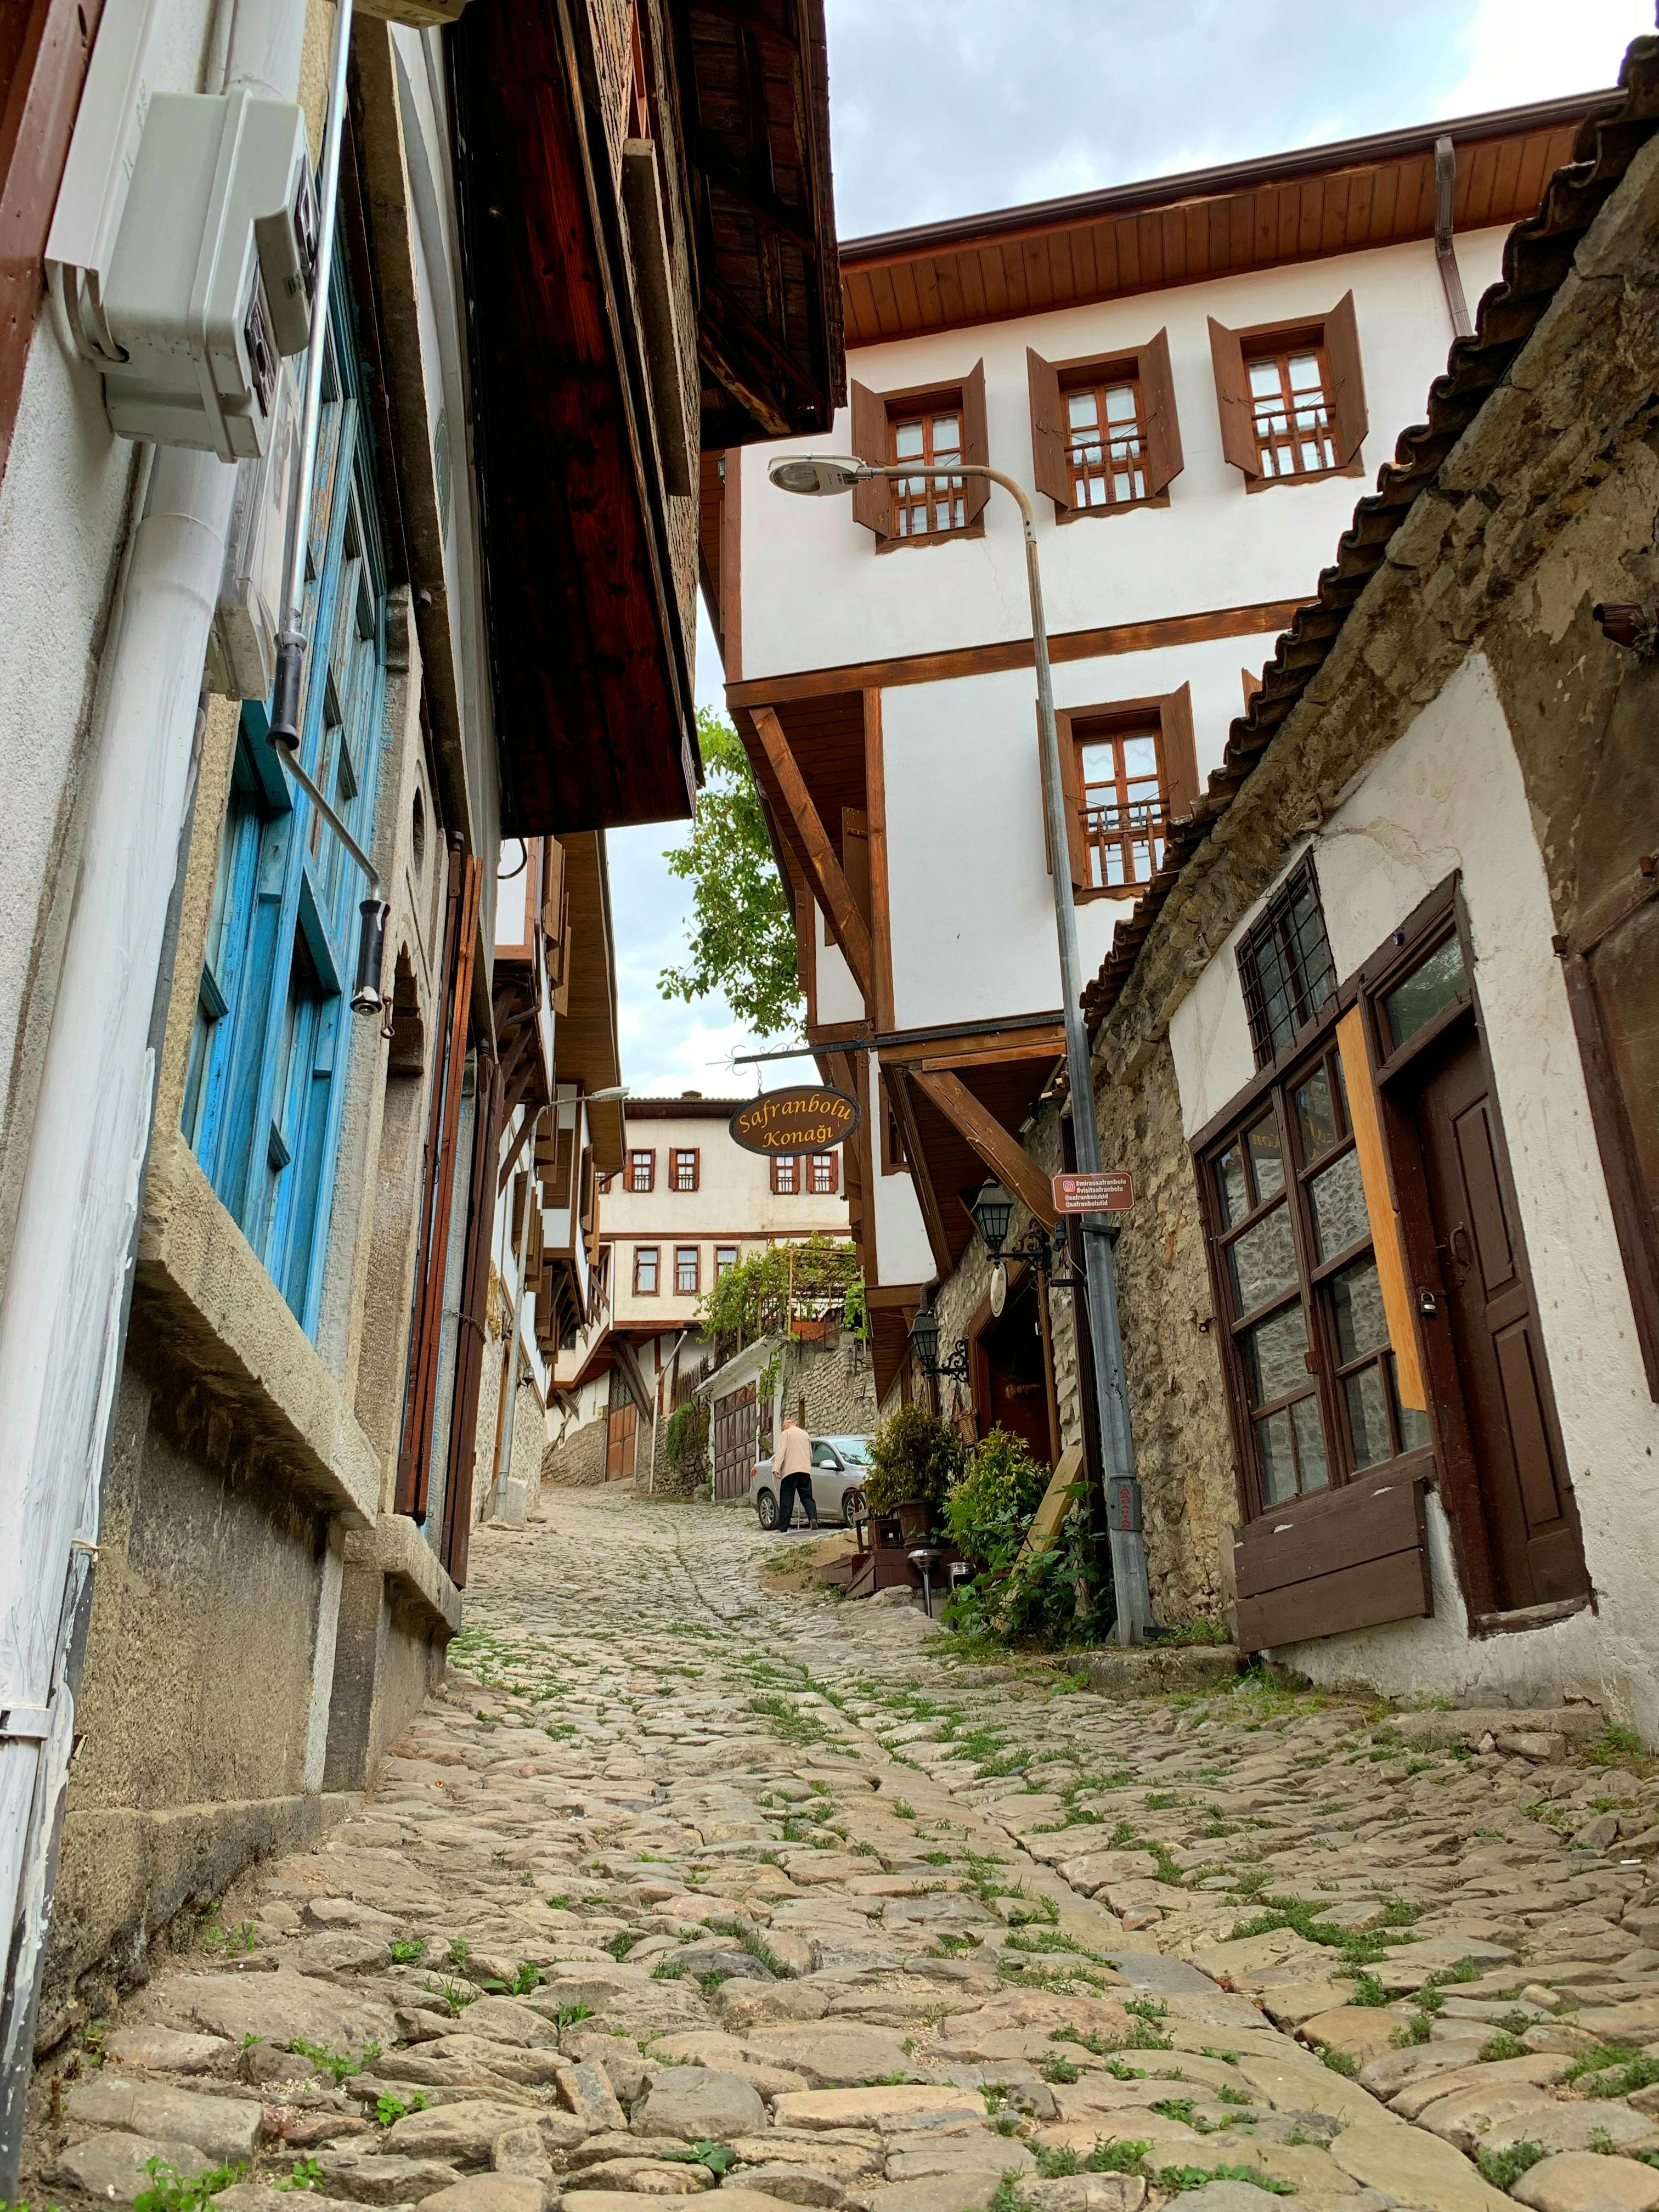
(1445, 253)
(64, 1309)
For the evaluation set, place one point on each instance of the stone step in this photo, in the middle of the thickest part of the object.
(1573, 1725)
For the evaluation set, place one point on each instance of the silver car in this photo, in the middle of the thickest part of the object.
(838, 1469)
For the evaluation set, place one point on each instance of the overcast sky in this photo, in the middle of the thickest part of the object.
(944, 107)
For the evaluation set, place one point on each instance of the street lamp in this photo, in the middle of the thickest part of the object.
(817, 475)
(924, 1342)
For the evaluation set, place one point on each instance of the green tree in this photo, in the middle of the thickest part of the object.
(743, 936)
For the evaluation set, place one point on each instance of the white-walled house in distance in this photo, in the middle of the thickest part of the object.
(1186, 377)
(688, 1204)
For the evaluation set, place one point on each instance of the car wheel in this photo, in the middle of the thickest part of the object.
(852, 1507)
(766, 1510)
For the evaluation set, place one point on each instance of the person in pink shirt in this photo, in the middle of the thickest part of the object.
(793, 1465)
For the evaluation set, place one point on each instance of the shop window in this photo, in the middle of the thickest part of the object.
(1304, 1334)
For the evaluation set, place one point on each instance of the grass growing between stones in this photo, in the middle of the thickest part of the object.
(1503, 2167)
(1612, 2069)
(169, 2191)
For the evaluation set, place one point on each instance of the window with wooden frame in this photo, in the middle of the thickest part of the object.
(725, 1259)
(894, 1158)
(1303, 1332)
(682, 1171)
(1128, 771)
(641, 1170)
(645, 1270)
(688, 1270)
(1291, 397)
(1285, 963)
(1104, 433)
(785, 1175)
(821, 1177)
(941, 426)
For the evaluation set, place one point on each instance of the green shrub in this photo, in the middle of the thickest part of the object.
(914, 1454)
(989, 1509)
(685, 1442)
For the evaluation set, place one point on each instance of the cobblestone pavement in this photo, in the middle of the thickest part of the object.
(679, 1885)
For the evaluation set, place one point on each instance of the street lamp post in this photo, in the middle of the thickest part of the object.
(818, 476)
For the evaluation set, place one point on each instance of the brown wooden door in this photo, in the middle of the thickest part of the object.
(624, 1422)
(1485, 1301)
(734, 1442)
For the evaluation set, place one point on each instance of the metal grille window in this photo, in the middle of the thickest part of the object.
(641, 1170)
(685, 1170)
(1106, 445)
(1124, 811)
(688, 1270)
(1284, 964)
(1306, 1338)
(926, 506)
(821, 1173)
(1290, 406)
(725, 1259)
(786, 1176)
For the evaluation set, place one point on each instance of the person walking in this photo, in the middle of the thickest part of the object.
(793, 1468)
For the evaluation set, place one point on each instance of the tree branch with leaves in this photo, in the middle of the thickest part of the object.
(742, 935)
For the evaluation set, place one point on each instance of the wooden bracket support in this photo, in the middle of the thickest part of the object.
(1006, 1156)
(830, 884)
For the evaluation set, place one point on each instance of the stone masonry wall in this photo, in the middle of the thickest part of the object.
(576, 1461)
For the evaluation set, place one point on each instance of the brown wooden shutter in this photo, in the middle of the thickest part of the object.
(1349, 420)
(1180, 755)
(555, 909)
(872, 503)
(1048, 461)
(1070, 790)
(697, 1169)
(1164, 457)
(976, 442)
(1232, 399)
(834, 1175)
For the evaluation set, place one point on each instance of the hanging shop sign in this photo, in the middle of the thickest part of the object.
(1111, 1193)
(809, 1117)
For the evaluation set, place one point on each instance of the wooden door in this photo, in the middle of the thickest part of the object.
(620, 1439)
(1014, 1396)
(1484, 1300)
(733, 1440)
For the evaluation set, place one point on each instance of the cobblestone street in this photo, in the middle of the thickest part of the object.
(682, 1885)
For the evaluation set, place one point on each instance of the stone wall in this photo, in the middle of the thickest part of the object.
(576, 1461)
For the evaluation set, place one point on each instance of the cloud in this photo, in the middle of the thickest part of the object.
(1514, 51)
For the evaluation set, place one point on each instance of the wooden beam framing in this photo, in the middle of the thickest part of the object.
(932, 1216)
(1006, 1156)
(1266, 616)
(875, 803)
(830, 885)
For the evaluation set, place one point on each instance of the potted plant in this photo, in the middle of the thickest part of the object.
(914, 1457)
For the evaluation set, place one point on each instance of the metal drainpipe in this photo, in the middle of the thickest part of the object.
(1445, 253)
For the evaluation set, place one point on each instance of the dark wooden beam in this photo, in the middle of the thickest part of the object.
(831, 886)
(1006, 1156)
(904, 1107)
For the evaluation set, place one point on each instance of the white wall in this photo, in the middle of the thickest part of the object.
(1449, 795)
(816, 594)
(969, 892)
(904, 1254)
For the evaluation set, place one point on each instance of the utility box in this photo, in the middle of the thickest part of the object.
(186, 271)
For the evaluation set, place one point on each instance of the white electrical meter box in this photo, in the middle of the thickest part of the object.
(209, 282)
(241, 656)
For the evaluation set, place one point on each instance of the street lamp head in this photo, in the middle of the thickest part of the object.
(992, 1210)
(924, 1339)
(816, 475)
